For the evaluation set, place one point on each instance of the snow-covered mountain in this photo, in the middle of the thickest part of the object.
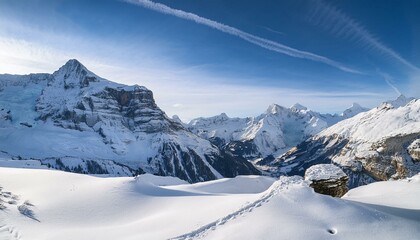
(380, 144)
(269, 134)
(353, 111)
(77, 121)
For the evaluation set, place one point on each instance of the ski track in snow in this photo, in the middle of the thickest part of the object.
(279, 186)
(8, 232)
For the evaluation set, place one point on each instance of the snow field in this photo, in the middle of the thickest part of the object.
(74, 206)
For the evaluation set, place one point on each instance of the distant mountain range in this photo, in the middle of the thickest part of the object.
(269, 134)
(76, 121)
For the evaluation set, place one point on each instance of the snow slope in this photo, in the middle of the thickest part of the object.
(385, 193)
(74, 206)
(62, 205)
(271, 133)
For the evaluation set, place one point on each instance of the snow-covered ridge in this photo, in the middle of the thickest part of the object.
(271, 133)
(73, 117)
(399, 102)
(384, 121)
(379, 144)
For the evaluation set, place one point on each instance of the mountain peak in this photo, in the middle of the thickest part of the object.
(353, 110)
(223, 115)
(274, 108)
(73, 74)
(355, 105)
(399, 102)
(73, 64)
(401, 98)
(297, 107)
(70, 67)
(176, 119)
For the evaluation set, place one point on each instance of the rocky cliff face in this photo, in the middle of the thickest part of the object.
(377, 145)
(76, 114)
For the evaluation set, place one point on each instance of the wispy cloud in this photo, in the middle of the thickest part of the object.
(178, 89)
(19, 56)
(178, 92)
(262, 42)
(388, 79)
(342, 25)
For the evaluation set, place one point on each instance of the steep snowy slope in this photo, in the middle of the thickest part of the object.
(271, 133)
(76, 121)
(49, 204)
(376, 145)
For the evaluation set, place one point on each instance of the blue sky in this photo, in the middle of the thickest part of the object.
(201, 58)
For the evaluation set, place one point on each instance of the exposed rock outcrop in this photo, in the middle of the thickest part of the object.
(327, 179)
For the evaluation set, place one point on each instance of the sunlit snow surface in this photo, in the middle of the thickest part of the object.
(323, 172)
(387, 120)
(73, 206)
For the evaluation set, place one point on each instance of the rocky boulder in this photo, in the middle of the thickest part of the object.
(327, 179)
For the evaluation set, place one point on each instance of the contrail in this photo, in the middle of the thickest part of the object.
(388, 80)
(262, 42)
(272, 30)
(340, 24)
